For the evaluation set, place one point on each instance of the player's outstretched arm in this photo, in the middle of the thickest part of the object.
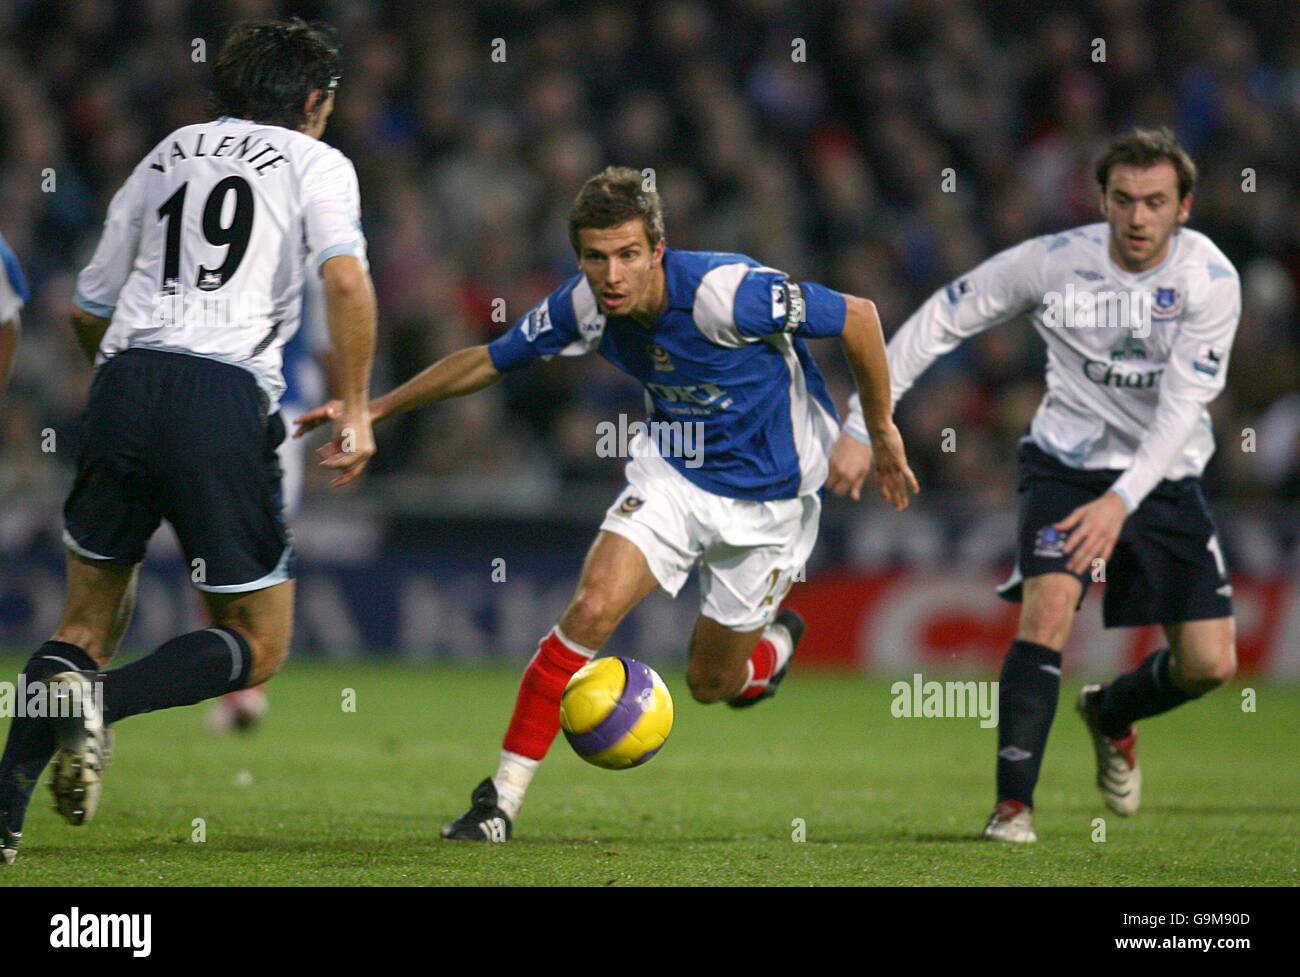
(864, 347)
(1008, 283)
(465, 371)
(350, 313)
(461, 373)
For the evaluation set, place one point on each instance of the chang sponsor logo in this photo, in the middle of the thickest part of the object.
(1113, 375)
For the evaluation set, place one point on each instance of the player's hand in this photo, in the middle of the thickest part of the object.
(850, 464)
(1094, 529)
(317, 416)
(352, 446)
(892, 472)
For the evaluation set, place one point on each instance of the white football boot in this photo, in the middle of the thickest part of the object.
(1011, 821)
(1118, 775)
(85, 745)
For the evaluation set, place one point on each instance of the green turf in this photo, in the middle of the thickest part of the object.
(320, 796)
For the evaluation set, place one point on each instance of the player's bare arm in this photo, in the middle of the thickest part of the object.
(9, 333)
(350, 313)
(89, 330)
(463, 372)
(864, 346)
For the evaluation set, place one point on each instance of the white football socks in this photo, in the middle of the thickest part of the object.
(511, 781)
(782, 642)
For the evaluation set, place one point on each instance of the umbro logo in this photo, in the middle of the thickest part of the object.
(1014, 753)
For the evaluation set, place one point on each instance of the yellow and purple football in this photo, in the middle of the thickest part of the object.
(616, 713)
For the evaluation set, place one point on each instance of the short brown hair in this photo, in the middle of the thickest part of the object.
(614, 196)
(1147, 147)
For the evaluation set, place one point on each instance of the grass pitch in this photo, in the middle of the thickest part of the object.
(321, 796)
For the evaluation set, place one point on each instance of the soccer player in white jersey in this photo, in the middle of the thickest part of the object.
(192, 292)
(718, 342)
(1138, 314)
(13, 294)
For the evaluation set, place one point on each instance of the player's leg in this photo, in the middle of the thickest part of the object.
(109, 516)
(646, 540)
(244, 709)
(615, 578)
(744, 640)
(720, 660)
(98, 609)
(218, 484)
(1201, 656)
(1175, 572)
(1029, 687)
(741, 668)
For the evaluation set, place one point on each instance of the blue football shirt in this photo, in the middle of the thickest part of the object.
(727, 353)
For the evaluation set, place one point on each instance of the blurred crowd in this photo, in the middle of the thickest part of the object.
(813, 136)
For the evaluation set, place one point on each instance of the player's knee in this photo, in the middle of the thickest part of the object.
(267, 652)
(707, 686)
(1202, 673)
(1050, 628)
(590, 619)
(1047, 615)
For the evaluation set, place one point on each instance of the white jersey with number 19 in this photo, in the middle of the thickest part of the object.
(204, 245)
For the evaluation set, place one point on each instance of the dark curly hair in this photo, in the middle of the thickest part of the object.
(266, 68)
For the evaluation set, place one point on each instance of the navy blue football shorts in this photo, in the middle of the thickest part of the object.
(1167, 566)
(188, 439)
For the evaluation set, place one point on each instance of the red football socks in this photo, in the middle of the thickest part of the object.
(762, 666)
(536, 718)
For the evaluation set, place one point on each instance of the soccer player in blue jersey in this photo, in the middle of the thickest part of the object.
(13, 293)
(718, 341)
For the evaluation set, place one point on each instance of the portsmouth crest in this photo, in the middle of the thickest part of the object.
(630, 505)
(661, 359)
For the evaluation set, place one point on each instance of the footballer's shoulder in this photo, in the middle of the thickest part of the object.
(1084, 237)
(1201, 255)
(688, 270)
(309, 149)
(700, 263)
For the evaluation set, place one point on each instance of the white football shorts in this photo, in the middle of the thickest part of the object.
(749, 552)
